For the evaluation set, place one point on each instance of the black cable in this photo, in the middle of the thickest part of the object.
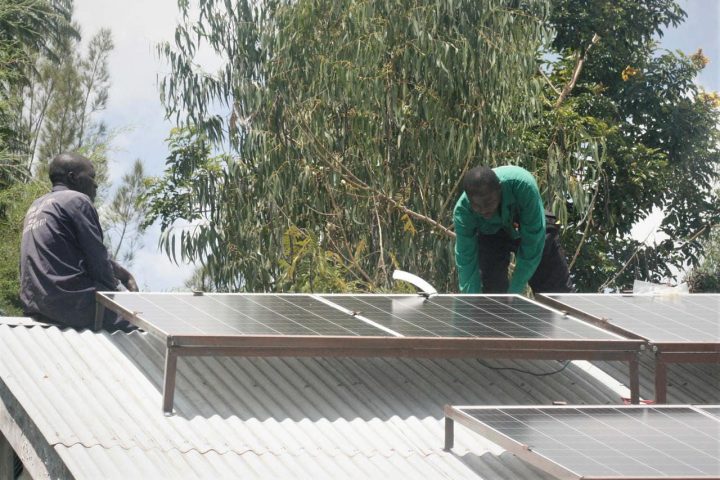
(520, 370)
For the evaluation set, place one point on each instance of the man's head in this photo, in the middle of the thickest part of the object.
(483, 190)
(75, 172)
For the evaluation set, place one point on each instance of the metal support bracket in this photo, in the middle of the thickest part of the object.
(171, 355)
(99, 316)
(449, 433)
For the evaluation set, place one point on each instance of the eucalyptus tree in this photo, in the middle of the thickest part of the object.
(334, 135)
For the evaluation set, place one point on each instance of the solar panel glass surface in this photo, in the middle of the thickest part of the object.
(468, 316)
(712, 410)
(614, 442)
(241, 314)
(658, 318)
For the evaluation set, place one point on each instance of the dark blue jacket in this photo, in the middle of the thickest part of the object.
(63, 260)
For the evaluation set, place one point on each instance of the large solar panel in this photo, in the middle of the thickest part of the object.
(657, 318)
(606, 442)
(363, 325)
(489, 316)
(239, 314)
(501, 316)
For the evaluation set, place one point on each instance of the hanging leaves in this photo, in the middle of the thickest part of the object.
(350, 121)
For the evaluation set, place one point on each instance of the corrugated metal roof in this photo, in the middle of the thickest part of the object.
(96, 399)
(18, 321)
(687, 382)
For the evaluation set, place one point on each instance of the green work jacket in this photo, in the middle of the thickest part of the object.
(520, 202)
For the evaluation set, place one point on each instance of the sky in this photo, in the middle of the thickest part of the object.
(134, 108)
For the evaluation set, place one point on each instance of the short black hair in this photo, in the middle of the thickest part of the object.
(480, 180)
(63, 164)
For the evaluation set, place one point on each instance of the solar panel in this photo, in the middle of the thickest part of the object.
(489, 316)
(680, 328)
(607, 442)
(658, 318)
(363, 325)
(240, 314)
(711, 410)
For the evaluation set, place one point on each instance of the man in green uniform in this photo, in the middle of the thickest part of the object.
(499, 212)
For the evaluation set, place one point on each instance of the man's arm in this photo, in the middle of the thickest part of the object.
(466, 247)
(124, 276)
(90, 238)
(532, 235)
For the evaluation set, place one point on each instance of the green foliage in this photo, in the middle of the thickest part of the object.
(624, 26)
(348, 123)
(200, 281)
(657, 134)
(14, 202)
(123, 217)
(705, 277)
(69, 96)
(28, 28)
(36, 25)
(49, 97)
(308, 267)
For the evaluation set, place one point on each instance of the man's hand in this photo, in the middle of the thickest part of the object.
(130, 283)
(125, 277)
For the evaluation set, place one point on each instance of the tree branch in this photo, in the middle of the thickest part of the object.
(580, 61)
(614, 277)
(588, 219)
(351, 179)
(549, 82)
(418, 216)
(697, 234)
(382, 267)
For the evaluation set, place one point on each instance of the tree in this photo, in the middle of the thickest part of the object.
(705, 277)
(336, 124)
(74, 92)
(123, 217)
(343, 132)
(50, 97)
(200, 281)
(28, 29)
(656, 135)
(14, 203)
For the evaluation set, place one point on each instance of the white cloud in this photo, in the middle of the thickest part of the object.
(154, 271)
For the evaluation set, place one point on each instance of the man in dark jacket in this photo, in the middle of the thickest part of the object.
(63, 260)
(500, 212)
